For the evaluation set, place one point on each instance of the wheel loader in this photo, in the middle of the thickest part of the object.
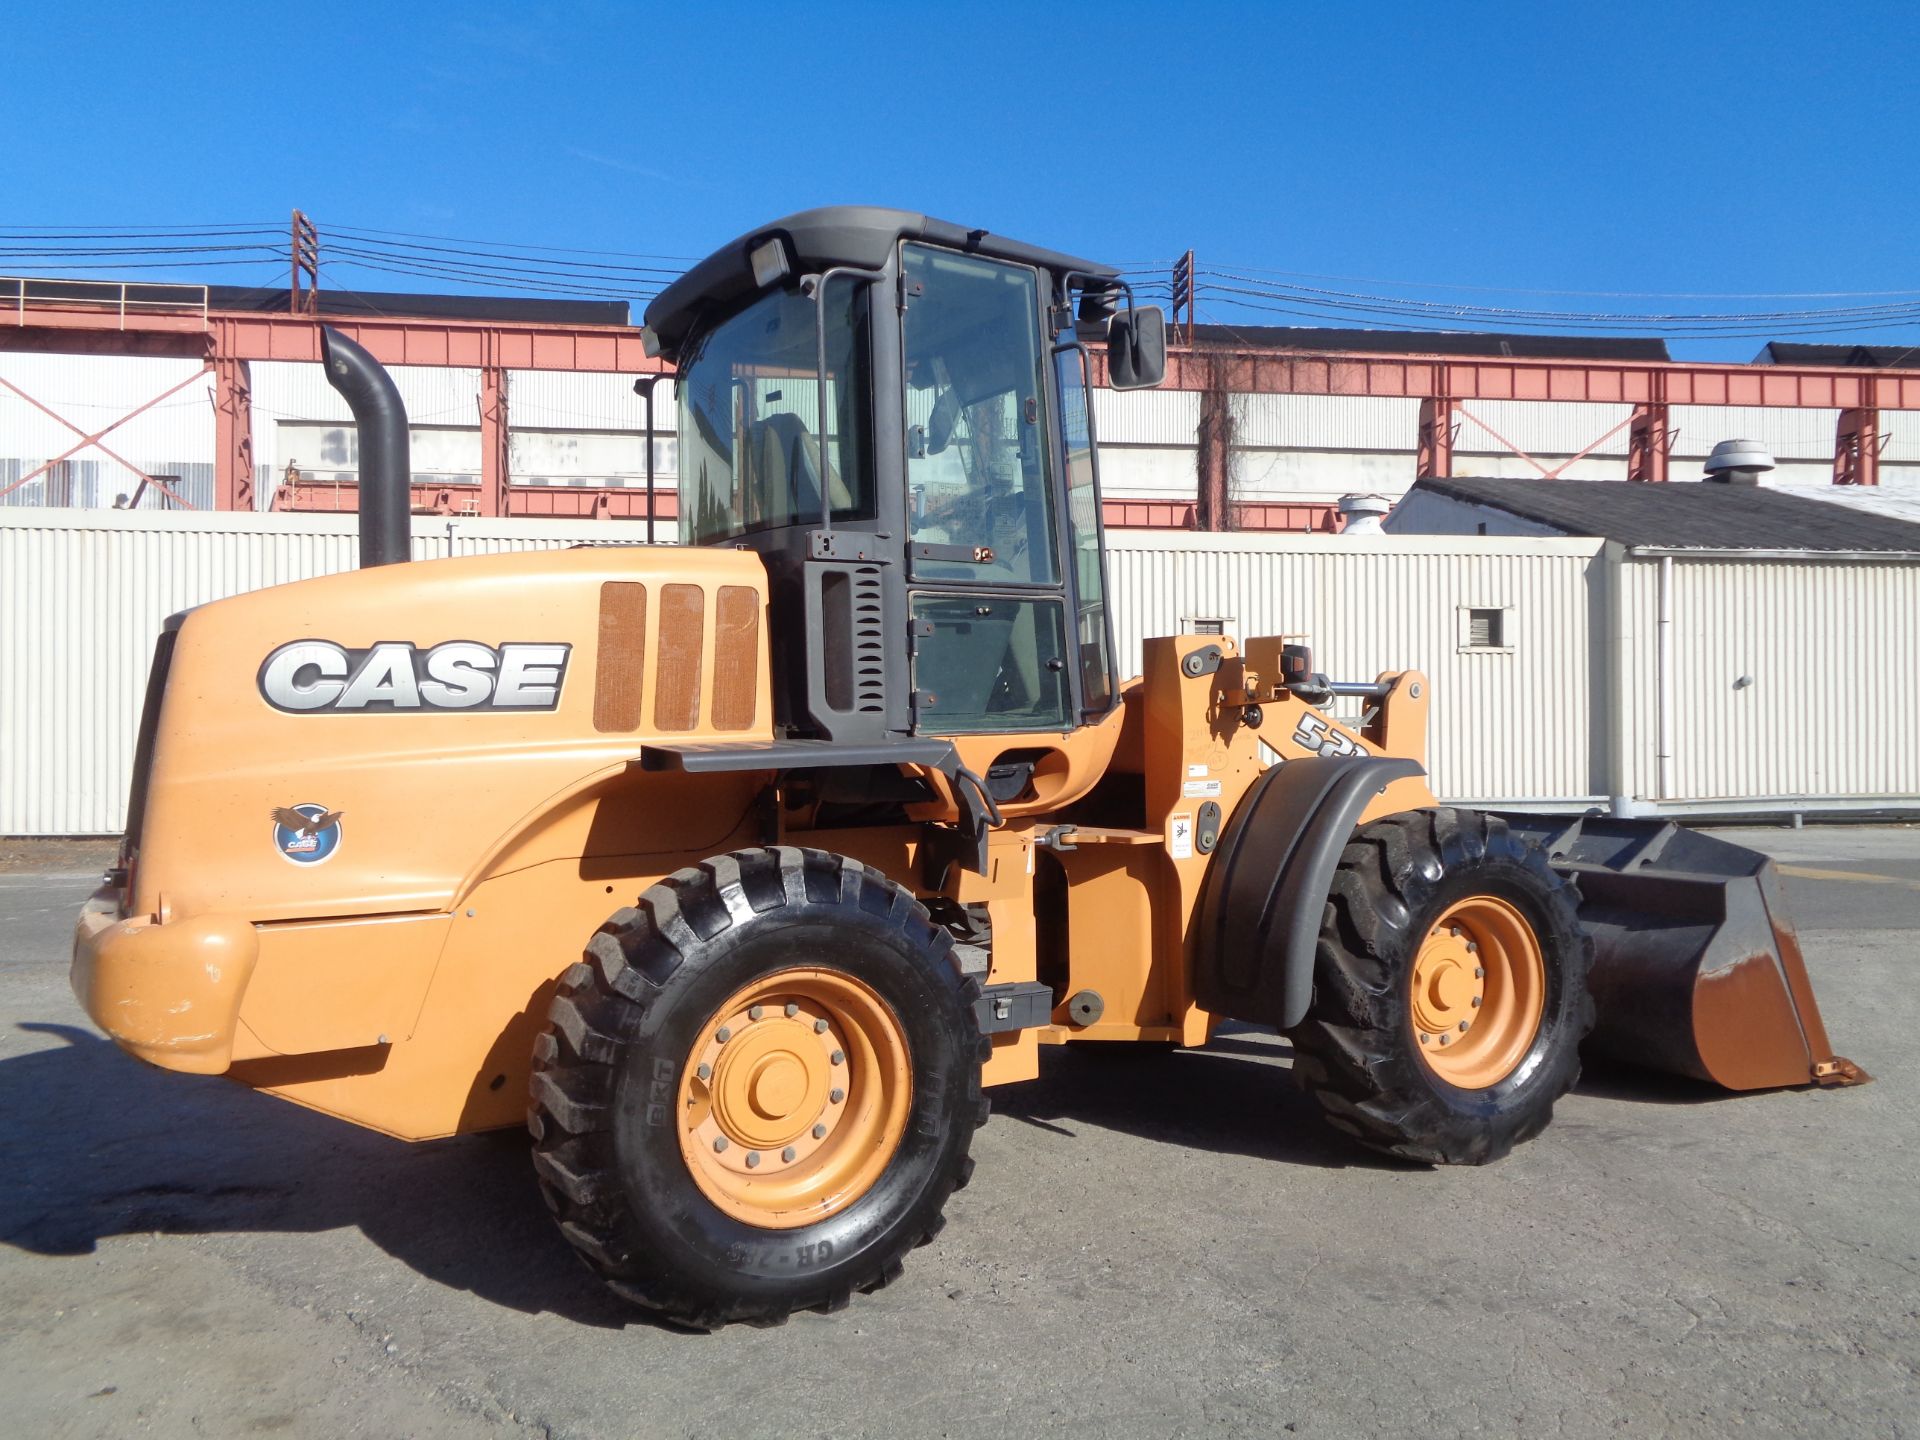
(739, 869)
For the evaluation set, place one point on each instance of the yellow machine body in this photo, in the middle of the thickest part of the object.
(399, 981)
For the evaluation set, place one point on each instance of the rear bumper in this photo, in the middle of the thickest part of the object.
(169, 993)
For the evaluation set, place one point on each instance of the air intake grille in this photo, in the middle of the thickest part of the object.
(620, 675)
(868, 635)
(676, 693)
(736, 657)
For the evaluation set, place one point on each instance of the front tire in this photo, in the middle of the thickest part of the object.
(756, 1092)
(1450, 990)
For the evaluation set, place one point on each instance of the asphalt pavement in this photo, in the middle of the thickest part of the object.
(1152, 1245)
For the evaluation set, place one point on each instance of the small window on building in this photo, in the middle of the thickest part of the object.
(1485, 628)
(1205, 624)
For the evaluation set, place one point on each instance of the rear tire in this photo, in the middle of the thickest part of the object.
(1440, 922)
(854, 1149)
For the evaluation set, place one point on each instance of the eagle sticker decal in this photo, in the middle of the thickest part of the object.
(306, 834)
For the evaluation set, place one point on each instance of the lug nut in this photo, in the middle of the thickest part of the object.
(719, 1143)
(753, 1158)
(837, 1096)
(723, 1034)
(1463, 1027)
(1479, 972)
(1423, 1037)
(792, 1009)
(705, 1072)
(1454, 931)
(1472, 948)
(819, 1132)
(819, 1027)
(756, 1012)
(839, 1057)
(1476, 1002)
(788, 1154)
(1446, 1039)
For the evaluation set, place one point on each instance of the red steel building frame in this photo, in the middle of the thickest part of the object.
(226, 342)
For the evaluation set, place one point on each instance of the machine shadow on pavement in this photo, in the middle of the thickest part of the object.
(180, 1155)
(1231, 1098)
(105, 1146)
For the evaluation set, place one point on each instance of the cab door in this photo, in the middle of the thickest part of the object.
(987, 583)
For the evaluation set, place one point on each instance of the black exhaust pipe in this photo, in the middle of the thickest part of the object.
(386, 474)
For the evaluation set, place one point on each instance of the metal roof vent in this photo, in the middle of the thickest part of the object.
(1363, 513)
(1739, 462)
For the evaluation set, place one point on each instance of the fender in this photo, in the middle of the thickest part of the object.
(1260, 910)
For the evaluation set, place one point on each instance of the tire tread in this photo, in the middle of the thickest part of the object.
(599, 1003)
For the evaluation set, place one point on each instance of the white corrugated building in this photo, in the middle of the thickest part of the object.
(1762, 646)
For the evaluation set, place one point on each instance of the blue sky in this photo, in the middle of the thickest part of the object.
(1476, 151)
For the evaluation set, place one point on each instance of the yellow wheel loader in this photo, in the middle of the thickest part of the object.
(739, 869)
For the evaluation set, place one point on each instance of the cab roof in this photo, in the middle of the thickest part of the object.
(862, 236)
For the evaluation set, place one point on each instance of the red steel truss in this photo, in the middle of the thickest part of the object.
(107, 321)
(1442, 385)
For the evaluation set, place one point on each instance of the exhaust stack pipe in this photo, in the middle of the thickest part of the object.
(386, 474)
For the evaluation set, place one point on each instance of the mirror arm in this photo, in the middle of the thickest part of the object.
(816, 285)
(1091, 282)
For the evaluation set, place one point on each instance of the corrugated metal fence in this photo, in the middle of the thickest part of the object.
(1791, 678)
(1508, 721)
(82, 594)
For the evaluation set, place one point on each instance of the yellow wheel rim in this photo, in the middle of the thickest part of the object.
(794, 1098)
(1479, 987)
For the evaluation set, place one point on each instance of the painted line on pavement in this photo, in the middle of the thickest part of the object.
(1859, 877)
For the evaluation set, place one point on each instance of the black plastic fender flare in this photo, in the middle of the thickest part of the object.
(1259, 912)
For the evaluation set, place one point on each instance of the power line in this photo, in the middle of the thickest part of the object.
(122, 265)
(485, 265)
(1391, 305)
(557, 265)
(551, 249)
(604, 274)
(1589, 294)
(1755, 330)
(24, 253)
(133, 232)
(466, 275)
(545, 288)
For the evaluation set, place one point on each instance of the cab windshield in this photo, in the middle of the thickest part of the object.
(749, 396)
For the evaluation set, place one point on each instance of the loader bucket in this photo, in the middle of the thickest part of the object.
(1696, 967)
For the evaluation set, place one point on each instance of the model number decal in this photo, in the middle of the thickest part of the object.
(306, 677)
(1313, 733)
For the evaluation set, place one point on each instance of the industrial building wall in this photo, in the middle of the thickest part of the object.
(1794, 681)
(82, 595)
(588, 429)
(563, 428)
(173, 437)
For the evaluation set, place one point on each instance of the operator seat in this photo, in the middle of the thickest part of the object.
(786, 455)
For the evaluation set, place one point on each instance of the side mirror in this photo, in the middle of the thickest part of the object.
(1137, 348)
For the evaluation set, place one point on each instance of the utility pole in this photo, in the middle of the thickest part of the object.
(303, 256)
(1183, 294)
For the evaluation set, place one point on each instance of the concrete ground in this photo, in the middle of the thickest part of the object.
(1161, 1245)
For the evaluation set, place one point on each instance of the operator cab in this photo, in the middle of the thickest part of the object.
(894, 412)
